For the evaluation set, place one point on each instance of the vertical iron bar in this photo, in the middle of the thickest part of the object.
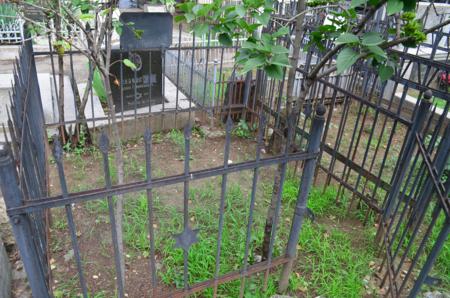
(409, 148)
(206, 68)
(148, 162)
(440, 241)
(226, 154)
(214, 91)
(291, 132)
(104, 147)
(303, 192)
(191, 76)
(178, 72)
(21, 225)
(259, 145)
(58, 154)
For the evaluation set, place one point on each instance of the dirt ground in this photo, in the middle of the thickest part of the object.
(94, 237)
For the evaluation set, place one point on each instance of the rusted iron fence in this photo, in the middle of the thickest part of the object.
(386, 145)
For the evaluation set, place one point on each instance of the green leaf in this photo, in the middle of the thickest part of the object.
(86, 17)
(138, 33)
(240, 10)
(118, 26)
(394, 6)
(266, 39)
(372, 39)
(180, 18)
(346, 58)
(356, 3)
(281, 60)
(327, 28)
(225, 39)
(189, 17)
(274, 71)
(249, 45)
(99, 87)
(385, 72)
(129, 64)
(377, 51)
(253, 63)
(281, 32)
(196, 8)
(277, 49)
(201, 29)
(263, 18)
(345, 38)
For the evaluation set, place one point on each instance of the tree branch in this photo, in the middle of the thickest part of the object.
(387, 45)
(357, 29)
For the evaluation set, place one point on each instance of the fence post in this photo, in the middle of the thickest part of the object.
(302, 198)
(417, 124)
(21, 225)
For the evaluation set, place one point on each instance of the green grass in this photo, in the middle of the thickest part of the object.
(176, 136)
(334, 268)
(8, 12)
(329, 265)
(439, 102)
(442, 266)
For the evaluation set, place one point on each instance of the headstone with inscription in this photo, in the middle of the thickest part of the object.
(133, 89)
(144, 85)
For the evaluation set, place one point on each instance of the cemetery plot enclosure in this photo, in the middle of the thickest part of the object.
(384, 146)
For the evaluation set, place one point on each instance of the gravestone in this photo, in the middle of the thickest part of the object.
(33, 12)
(142, 87)
(133, 89)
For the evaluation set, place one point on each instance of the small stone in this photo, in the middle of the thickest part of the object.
(95, 276)
(230, 161)
(258, 258)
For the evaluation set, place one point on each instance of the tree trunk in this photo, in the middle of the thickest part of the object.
(62, 128)
(120, 169)
(115, 137)
(60, 91)
(81, 125)
(290, 97)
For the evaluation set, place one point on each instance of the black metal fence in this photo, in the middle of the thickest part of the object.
(24, 162)
(384, 144)
(21, 206)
